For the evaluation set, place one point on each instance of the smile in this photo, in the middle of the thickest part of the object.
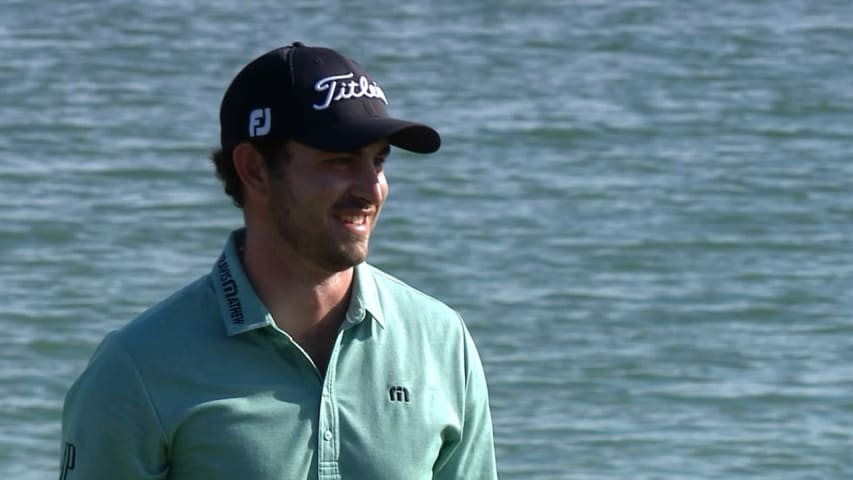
(353, 219)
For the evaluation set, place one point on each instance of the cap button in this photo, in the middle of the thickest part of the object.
(298, 44)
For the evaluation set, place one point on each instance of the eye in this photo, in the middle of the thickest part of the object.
(379, 161)
(382, 157)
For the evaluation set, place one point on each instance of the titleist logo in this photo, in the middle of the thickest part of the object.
(337, 89)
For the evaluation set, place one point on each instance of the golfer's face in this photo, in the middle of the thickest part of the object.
(326, 204)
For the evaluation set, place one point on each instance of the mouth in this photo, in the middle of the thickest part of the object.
(355, 222)
(359, 219)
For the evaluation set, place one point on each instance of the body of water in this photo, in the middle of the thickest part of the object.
(643, 209)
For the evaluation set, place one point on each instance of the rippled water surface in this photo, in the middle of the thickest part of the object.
(643, 209)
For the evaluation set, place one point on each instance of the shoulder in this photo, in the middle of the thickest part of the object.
(138, 359)
(393, 291)
(197, 297)
(190, 312)
(415, 310)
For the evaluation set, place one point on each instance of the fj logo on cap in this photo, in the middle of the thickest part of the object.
(259, 122)
(337, 89)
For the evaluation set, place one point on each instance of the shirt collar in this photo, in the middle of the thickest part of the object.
(365, 301)
(242, 310)
(240, 306)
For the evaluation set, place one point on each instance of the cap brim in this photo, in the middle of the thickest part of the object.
(350, 136)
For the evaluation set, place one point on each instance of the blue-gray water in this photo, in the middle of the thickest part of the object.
(644, 209)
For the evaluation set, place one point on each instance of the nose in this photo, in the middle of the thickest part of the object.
(370, 184)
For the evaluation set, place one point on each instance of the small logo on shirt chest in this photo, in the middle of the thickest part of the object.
(399, 394)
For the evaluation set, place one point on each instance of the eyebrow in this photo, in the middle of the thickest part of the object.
(384, 151)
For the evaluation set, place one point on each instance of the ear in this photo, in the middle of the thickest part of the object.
(250, 166)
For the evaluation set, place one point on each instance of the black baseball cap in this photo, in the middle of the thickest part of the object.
(315, 96)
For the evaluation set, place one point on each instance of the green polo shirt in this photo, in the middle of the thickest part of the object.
(205, 386)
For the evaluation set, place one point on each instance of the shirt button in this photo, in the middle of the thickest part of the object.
(328, 435)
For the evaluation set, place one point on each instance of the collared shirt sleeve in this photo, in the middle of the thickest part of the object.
(109, 426)
(471, 454)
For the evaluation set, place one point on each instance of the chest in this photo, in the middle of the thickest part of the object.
(376, 413)
(318, 345)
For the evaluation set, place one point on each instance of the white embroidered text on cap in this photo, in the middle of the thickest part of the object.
(338, 90)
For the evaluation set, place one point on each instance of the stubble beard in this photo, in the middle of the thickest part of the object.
(315, 245)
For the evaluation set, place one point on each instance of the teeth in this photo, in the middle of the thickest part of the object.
(356, 219)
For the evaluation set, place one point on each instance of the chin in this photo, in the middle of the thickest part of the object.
(344, 259)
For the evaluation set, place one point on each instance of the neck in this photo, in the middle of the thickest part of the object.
(302, 297)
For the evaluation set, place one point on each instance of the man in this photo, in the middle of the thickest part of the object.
(293, 358)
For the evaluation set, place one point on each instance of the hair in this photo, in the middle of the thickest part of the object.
(274, 154)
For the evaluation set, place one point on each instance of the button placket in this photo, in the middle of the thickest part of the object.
(329, 442)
